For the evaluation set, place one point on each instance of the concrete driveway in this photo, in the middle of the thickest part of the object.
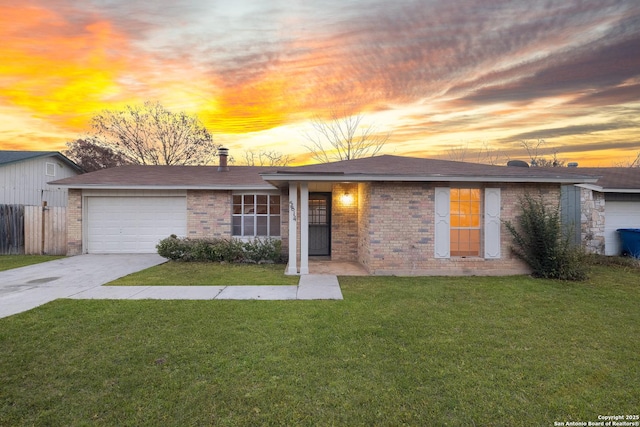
(81, 277)
(24, 288)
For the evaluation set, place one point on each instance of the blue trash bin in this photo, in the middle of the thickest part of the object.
(630, 238)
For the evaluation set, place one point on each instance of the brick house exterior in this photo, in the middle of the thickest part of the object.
(392, 215)
(389, 246)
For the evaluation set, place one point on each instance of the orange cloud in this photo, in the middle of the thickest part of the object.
(56, 70)
(282, 92)
(254, 106)
(437, 76)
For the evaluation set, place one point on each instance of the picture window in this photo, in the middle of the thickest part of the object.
(256, 215)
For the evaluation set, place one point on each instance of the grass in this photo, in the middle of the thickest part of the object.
(8, 262)
(510, 351)
(208, 274)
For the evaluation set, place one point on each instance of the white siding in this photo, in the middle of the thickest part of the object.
(619, 215)
(25, 182)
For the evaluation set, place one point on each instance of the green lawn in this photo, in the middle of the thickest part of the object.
(208, 274)
(397, 351)
(8, 262)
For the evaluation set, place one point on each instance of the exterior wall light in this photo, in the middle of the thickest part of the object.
(346, 199)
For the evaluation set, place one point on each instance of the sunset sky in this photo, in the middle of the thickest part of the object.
(441, 76)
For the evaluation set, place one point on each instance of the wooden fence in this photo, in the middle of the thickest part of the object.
(42, 230)
(11, 229)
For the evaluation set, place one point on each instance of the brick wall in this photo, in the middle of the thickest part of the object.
(399, 237)
(208, 213)
(74, 222)
(344, 222)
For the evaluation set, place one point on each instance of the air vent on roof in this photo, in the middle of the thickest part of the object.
(518, 163)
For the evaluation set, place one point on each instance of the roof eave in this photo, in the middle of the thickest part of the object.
(168, 187)
(274, 178)
(600, 189)
(45, 154)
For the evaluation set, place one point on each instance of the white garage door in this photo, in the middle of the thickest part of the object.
(619, 215)
(133, 224)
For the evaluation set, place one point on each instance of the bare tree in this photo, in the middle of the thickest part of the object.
(344, 138)
(458, 153)
(635, 163)
(490, 156)
(92, 155)
(265, 158)
(534, 149)
(151, 135)
(486, 154)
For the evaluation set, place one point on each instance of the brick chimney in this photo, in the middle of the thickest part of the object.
(223, 153)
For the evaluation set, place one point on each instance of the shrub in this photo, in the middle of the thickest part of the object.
(540, 242)
(219, 250)
(262, 250)
(171, 248)
(228, 250)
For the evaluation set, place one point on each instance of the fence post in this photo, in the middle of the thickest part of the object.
(44, 211)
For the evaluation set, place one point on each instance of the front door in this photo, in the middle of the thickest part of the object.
(320, 224)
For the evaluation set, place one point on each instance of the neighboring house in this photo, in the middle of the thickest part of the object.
(601, 208)
(24, 177)
(393, 215)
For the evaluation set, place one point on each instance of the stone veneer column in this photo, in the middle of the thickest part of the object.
(592, 221)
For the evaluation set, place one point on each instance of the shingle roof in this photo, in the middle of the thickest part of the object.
(380, 168)
(399, 168)
(8, 157)
(610, 178)
(178, 177)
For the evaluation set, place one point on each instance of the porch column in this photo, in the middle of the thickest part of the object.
(292, 268)
(304, 228)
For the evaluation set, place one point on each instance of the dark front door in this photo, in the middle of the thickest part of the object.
(320, 224)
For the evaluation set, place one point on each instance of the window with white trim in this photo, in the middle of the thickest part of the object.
(256, 215)
(467, 222)
(50, 169)
(464, 214)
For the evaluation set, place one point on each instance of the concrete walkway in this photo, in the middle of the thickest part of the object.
(82, 277)
(310, 287)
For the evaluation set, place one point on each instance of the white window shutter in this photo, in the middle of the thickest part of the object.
(492, 223)
(442, 229)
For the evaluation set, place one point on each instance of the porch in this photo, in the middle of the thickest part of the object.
(323, 229)
(337, 268)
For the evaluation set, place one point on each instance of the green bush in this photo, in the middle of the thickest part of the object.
(172, 248)
(540, 242)
(220, 250)
(262, 250)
